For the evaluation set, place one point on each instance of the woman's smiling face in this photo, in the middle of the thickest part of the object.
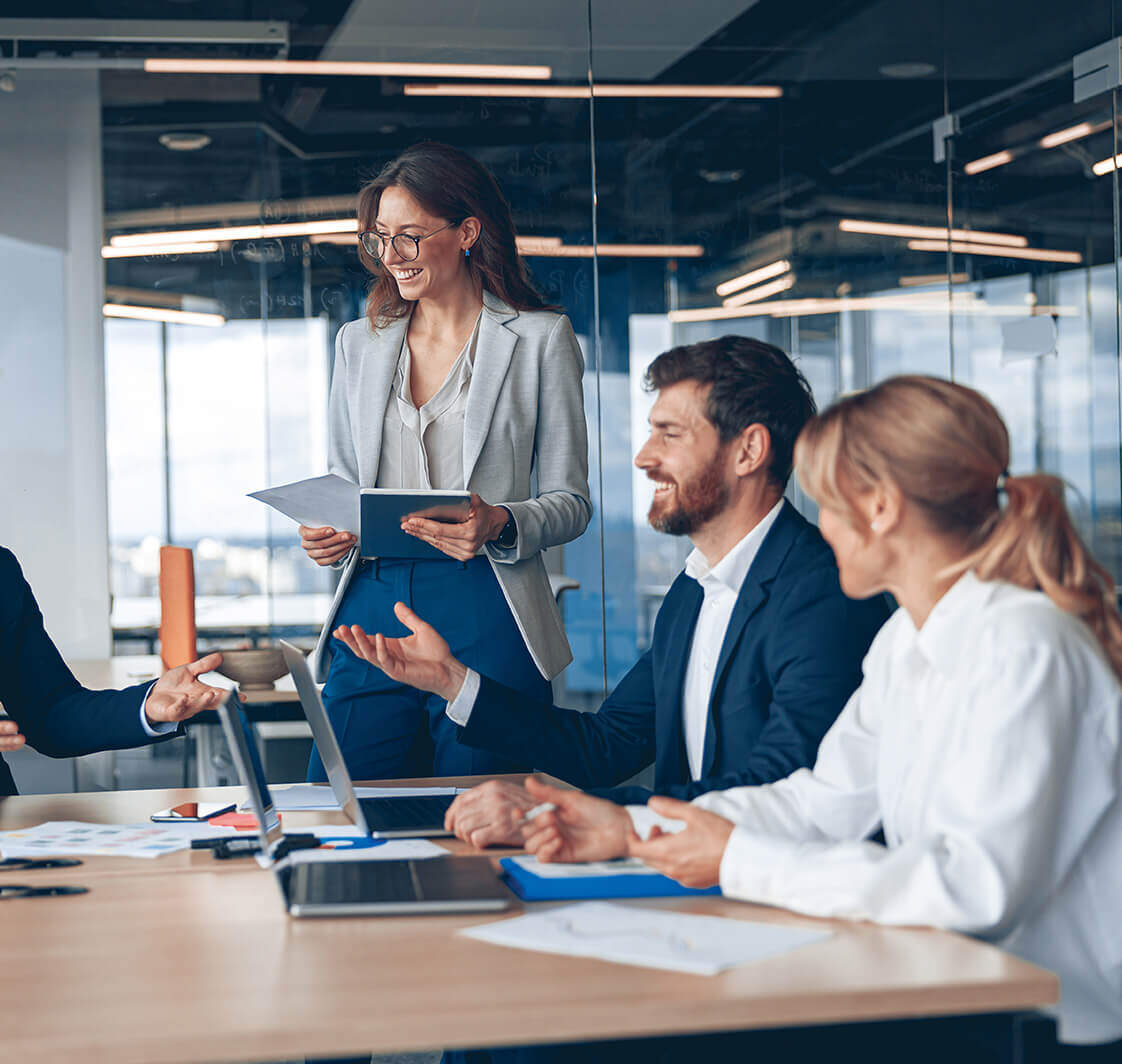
(441, 255)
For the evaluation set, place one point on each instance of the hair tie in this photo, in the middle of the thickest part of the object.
(1002, 477)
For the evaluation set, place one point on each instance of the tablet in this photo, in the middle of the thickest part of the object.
(382, 510)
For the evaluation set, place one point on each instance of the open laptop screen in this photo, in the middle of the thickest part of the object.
(243, 747)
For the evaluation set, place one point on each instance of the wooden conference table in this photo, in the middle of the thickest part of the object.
(184, 958)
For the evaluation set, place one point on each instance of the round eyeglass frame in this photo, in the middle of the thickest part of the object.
(407, 246)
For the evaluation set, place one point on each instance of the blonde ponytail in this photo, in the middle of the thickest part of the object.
(946, 448)
(1034, 544)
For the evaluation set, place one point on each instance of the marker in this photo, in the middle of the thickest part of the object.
(533, 814)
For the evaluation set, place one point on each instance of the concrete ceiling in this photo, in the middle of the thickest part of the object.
(629, 42)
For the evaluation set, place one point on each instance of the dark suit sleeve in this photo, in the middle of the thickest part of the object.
(584, 749)
(58, 716)
(818, 642)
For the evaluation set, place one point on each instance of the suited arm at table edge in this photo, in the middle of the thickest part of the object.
(58, 716)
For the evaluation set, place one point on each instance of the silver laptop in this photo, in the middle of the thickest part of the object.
(316, 884)
(421, 816)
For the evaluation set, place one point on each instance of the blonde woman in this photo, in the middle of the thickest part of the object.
(984, 738)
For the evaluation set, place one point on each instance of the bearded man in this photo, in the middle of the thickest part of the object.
(755, 648)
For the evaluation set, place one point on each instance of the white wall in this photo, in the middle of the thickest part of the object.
(52, 381)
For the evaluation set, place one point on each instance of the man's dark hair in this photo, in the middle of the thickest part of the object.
(751, 383)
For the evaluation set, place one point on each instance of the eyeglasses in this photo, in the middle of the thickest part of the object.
(407, 246)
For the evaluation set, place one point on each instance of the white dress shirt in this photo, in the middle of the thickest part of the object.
(720, 586)
(423, 447)
(987, 745)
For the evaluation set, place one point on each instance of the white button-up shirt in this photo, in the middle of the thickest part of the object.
(987, 744)
(720, 586)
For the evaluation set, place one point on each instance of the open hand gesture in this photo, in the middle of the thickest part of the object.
(422, 660)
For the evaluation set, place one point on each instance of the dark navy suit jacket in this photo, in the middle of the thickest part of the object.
(790, 659)
(58, 716)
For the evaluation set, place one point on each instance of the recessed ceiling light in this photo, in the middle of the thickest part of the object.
(720, 177)
(179, 141)
(907, 70)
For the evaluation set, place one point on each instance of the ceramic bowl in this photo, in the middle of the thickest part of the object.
(253, 670)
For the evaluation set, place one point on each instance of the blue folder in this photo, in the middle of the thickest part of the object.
(531, 887)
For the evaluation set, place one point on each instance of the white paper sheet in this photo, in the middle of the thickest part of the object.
(328, 500)
(651, 938)
(389, 850)
(319, 796)
(70, 838)
(623, 866)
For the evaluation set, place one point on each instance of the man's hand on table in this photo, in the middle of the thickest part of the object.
(489, 815)
(179, 694)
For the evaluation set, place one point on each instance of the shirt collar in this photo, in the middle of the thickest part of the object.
(734, 566)
(946, 636)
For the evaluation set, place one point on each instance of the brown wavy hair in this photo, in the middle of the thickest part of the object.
(947, 450)
(449, 184)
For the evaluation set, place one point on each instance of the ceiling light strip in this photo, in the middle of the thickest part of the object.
(1105, 166)
(346, 69)
(793, 308)
(1076, 132)
(920, 279)
(772, 288)
(237, 232)
(159, 249)
(965, 248)
(584, 92)
(989, 162)
(861, 225)
(734, 284)
(177, 317)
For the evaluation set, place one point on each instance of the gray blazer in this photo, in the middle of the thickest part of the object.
(525, 446)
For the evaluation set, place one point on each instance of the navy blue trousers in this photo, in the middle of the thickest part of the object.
(390, 731)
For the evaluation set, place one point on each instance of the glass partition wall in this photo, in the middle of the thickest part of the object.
(877, 187)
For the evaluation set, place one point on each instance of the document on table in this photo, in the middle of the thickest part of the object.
(376, 850)
(620, 866)
(67, 838)
(318, 796)
(650, 938)
(328, 500)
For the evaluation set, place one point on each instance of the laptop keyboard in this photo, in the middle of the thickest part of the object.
(403, 814)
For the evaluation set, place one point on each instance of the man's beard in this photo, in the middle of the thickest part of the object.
(697, 502)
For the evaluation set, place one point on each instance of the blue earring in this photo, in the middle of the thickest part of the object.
(467, 253)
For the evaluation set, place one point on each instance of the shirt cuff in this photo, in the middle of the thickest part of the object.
(160, 727)
(459, 709)
(752, 867)
(644, 818)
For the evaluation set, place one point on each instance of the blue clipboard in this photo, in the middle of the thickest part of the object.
(531, 887)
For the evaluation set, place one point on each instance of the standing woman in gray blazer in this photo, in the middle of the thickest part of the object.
(459, 377)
